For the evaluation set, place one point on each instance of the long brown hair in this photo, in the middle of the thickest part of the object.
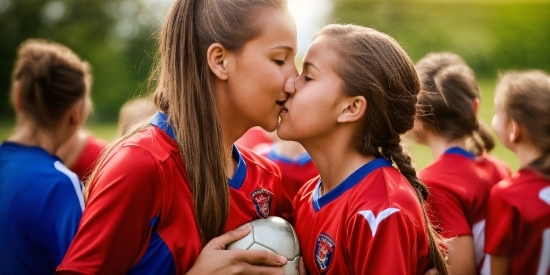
(525, 97)
(445, 103)
(184, 91)
(378, 69)
(51, 78)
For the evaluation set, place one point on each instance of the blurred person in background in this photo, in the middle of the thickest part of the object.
(462, 174)
(41, 200)
(517, 235)
(133, 112)
(81, 152)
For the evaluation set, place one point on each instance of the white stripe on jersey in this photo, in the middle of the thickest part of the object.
(374, 220)
(544, 195)
(74, 179)
(478, 232)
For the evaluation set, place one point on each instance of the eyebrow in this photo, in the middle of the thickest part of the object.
(288, 48)
(308, 64)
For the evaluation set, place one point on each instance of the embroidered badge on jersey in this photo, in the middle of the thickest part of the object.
(262, 201)
(324, 250)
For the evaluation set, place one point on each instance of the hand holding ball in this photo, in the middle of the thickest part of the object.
(272, 234)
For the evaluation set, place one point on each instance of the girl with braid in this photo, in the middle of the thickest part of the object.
(462, 173)
(365, 213)
(517, 237)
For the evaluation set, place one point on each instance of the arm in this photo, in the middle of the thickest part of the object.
(461, 255)
(499, 233)
(500, 265)
(115, 225)
(235, 261)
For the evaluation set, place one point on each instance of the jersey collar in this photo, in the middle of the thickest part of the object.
(240, 174)
(460, 151)
(303, 159)
(348, 183)
(160, 120)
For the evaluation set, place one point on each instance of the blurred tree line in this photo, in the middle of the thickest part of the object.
(117, 38)
(491, 35)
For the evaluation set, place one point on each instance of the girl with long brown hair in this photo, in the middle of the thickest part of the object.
(164, 192)
(462, 173)
(517, 237)
(40, 198)
(365, 213)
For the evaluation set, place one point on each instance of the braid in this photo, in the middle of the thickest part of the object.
(542, 163)
(393, 151)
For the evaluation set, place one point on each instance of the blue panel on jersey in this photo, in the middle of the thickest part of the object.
(157, 258)
(160, 120)
(303, 159)
(349, 182)
(460, 151)
(240, 174)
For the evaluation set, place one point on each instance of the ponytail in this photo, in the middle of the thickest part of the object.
(482, 139)
(542, 164)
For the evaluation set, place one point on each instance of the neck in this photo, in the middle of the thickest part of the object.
(526, 153)
(71, 149)
(29, 134)
(336, 162)
(229, 138)
(439, 145)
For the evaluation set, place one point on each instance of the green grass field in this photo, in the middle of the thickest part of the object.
(421, 154)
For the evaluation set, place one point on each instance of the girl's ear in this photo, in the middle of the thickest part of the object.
(516, 131)
(75, 112)
(353, 109)
(476, 105)
(17, 96)
(216, 57)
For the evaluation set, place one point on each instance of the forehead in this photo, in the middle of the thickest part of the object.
(277, 29)
(320, 54)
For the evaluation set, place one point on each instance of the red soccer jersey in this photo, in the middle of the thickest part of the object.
(85, 161)
(459, 185)
(371, 223)
(518, 223)
(295, 172)
(139, 216)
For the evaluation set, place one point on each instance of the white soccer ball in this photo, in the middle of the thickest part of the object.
(272, 234)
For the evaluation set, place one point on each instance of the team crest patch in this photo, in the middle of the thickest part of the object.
(324, 250)
(262, 201)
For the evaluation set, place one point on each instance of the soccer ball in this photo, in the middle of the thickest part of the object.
(272, 234)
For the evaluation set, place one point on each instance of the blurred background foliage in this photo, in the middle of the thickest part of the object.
(118, 38)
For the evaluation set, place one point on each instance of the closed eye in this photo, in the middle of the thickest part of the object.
(279, 62)
(307, 79)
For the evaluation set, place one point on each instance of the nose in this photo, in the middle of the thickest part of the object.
(289, 83)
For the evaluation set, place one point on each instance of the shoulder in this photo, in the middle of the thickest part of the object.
(255, 161)
(385, 188)
(151, 141)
